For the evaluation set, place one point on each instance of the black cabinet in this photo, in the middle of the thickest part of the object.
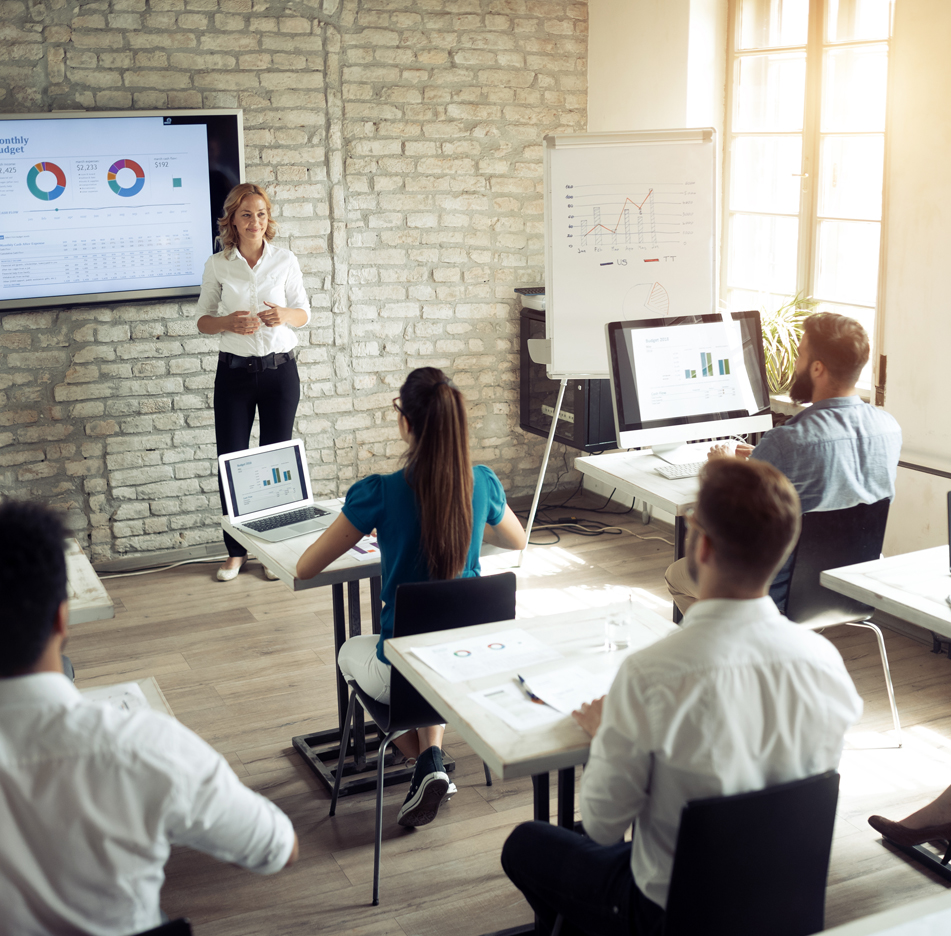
(586, 421)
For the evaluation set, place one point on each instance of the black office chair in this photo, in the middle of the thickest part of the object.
(830, 539)
(180, 927)
(754, 863)
(420, 609)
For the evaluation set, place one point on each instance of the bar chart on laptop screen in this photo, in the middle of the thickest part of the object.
(100, 206)
(265, 479)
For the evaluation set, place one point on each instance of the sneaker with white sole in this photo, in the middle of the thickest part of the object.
(430, 785)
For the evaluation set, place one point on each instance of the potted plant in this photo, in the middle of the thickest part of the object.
(782, 331)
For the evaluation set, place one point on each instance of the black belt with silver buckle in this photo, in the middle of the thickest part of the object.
(255, 364)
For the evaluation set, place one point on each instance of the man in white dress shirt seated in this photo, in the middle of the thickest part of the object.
(737, 699)
(92, 798)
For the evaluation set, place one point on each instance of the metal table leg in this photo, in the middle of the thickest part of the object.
(321, 750)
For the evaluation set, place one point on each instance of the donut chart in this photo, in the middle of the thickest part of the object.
(114, 183)
(36, 191)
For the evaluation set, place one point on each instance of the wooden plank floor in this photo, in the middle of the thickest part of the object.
(249, 664)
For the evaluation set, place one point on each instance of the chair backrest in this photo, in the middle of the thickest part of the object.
(423, 607)
(754, 863)
(180, 927)
(829, 539)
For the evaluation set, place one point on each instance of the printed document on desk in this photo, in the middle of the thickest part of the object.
(128, 697)
(503, 651)
(510, 703)
(367, 548)
(566, 689)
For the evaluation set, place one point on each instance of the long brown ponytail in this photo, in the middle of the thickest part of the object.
(438, 468)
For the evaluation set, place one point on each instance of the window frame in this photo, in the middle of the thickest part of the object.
(807, 260)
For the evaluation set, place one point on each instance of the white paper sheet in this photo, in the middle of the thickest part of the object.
(128, 697)
(566, 689)
(367, 548)
(511, 704)
(504, 651)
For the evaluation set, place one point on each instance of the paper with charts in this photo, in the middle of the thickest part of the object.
(510, 703)
(368, 548)
(472, 658)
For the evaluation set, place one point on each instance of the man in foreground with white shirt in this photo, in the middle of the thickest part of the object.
(92, 798)
(737, 699)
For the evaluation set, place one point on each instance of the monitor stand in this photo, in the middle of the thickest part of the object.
(680, 453)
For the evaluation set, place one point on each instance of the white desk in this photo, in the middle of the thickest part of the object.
(579, 635)
(634, 473)
(320, 749)
(912, 586)
(88, 599)
(928, 917)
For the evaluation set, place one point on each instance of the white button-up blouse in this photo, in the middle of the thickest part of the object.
(229, 285)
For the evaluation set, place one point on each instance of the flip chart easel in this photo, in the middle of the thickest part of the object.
(630, 233)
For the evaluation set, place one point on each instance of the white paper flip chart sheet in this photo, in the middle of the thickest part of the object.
(630, 227)
(462, 660)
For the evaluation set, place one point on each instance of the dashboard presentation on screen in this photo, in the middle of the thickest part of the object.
(690, 370)
(672, 378)
(265, 479)
(102, 205)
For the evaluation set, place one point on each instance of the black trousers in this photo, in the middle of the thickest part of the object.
(590, 885)
(273, 393)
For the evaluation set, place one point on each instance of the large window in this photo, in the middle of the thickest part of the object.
(804, 155)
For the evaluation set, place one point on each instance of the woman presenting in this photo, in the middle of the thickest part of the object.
(430, 519)
(252, 295)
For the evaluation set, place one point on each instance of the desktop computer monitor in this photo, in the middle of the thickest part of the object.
(680, 379)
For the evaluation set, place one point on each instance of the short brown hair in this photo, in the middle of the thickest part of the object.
(751, 515)
(227, 237)
(840, 343)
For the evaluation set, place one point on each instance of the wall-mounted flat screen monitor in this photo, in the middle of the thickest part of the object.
(109, 207)
(677, 380)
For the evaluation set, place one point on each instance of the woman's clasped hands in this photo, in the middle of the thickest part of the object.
(275, 315)
(241, 322)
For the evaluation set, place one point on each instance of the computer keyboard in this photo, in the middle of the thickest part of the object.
(286, 519)
(674, 472)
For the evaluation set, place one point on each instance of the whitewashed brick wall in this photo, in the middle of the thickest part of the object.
(400, 142)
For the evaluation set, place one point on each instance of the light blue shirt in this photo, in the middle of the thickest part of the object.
(837, 453)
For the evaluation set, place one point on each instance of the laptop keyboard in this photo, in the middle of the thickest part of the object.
(286, 519)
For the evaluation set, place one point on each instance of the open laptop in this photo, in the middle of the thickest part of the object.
(268, 494)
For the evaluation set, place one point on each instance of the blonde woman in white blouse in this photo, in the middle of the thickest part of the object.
(252, 296)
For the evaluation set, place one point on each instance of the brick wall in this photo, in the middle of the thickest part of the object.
(400, 143)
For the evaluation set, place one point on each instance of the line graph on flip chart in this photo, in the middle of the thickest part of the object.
(629, 234)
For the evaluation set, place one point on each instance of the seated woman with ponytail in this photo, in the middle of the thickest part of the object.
(431, 519)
